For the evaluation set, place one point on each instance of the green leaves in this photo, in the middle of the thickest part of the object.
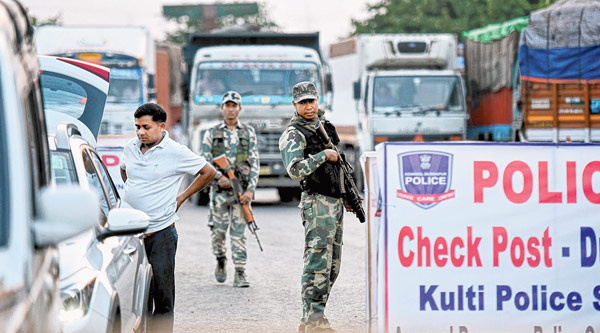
(435, 16)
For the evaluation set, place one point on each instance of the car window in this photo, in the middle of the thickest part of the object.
(110, 187)
(63, 170)
(4, 194)
(63, 94)
(95, 184)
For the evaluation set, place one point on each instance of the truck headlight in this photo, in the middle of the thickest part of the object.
(76, 301)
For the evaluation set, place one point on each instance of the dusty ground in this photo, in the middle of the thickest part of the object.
(272, 303)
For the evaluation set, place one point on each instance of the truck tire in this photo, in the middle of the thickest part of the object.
(287, 194)
(203, 198)
(358, 178)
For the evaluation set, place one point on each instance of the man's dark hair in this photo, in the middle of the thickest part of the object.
(151, 109)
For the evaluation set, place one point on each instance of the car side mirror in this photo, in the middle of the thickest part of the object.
(356, 89)
(64, 212)
(124, 221)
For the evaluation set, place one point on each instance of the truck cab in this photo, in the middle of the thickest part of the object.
(400, 105)
(263, 68)
(406, 87)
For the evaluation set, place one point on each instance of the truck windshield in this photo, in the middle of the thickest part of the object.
(125, 85)
(416, 94)
(257, 82)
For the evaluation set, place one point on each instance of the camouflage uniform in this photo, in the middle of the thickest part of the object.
(323, 227)
(221, 215)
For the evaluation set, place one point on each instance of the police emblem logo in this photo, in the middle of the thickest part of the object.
(425, 178)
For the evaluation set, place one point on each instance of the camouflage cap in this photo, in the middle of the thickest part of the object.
(304, 90)
(232, 96)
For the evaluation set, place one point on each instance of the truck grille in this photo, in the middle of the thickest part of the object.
(268, 142)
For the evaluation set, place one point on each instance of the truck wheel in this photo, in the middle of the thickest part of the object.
(358, 178)
(286, 194)
(203, 198)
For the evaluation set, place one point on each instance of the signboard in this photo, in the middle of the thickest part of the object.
(489, 237)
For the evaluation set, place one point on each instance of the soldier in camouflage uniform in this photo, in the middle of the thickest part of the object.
(307, 160)
(238, 142)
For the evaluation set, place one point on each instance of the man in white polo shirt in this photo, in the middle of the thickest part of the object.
(153, 167)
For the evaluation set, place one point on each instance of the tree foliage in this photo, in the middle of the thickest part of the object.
(54, 20)
(187, 25)
(436, 16)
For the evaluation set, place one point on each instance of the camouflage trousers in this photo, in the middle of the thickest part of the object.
(222, 217)
(322, 217)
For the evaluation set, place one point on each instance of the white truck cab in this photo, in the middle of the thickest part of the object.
(406, 87)
(263, 67)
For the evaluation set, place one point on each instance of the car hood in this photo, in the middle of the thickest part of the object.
(73, 254)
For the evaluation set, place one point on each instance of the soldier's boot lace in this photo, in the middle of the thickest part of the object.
(220, 272)
(239, 280)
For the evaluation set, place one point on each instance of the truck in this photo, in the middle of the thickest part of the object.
(263, 67)
(403, 86)
(493, 81)
(129, 52)
(169, 84)
(560, 76)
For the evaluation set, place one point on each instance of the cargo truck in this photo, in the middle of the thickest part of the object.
(405, 87)
(263, 67)
(493, 81)
(560, 75)
(169, 84)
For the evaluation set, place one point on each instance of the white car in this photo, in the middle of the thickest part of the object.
(105, 277)
(34, 217)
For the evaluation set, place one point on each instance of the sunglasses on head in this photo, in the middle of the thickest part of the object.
(308, 100)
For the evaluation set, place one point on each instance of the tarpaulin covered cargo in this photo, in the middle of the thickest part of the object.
(490, 55)
(562, 42)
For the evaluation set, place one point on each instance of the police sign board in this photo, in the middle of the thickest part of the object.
(485, 237)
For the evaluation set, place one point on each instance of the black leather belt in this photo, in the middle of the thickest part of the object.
(152, 233)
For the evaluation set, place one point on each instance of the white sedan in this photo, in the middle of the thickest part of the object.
(105, 277)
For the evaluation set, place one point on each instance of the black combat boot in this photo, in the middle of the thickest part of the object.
(239, 280)
(220, 272)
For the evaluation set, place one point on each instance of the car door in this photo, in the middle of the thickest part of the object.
(128, 258)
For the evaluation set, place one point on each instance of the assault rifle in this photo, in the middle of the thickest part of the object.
(221, 162)
(347, 186)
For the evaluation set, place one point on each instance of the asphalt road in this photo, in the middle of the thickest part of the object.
(272, 303)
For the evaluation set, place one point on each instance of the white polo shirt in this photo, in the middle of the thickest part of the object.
(154, 178)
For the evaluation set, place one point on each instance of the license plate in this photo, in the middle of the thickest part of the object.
(264, 170)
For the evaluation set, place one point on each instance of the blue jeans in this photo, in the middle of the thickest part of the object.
(160, 250)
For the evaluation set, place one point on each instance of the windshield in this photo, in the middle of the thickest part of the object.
(417, 93)
(257, 82)
(63, 170)
(125, 85)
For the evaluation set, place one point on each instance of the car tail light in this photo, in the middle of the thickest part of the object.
(100, 71)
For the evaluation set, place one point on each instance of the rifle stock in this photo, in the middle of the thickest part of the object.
(348, 187)
(221, 162)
